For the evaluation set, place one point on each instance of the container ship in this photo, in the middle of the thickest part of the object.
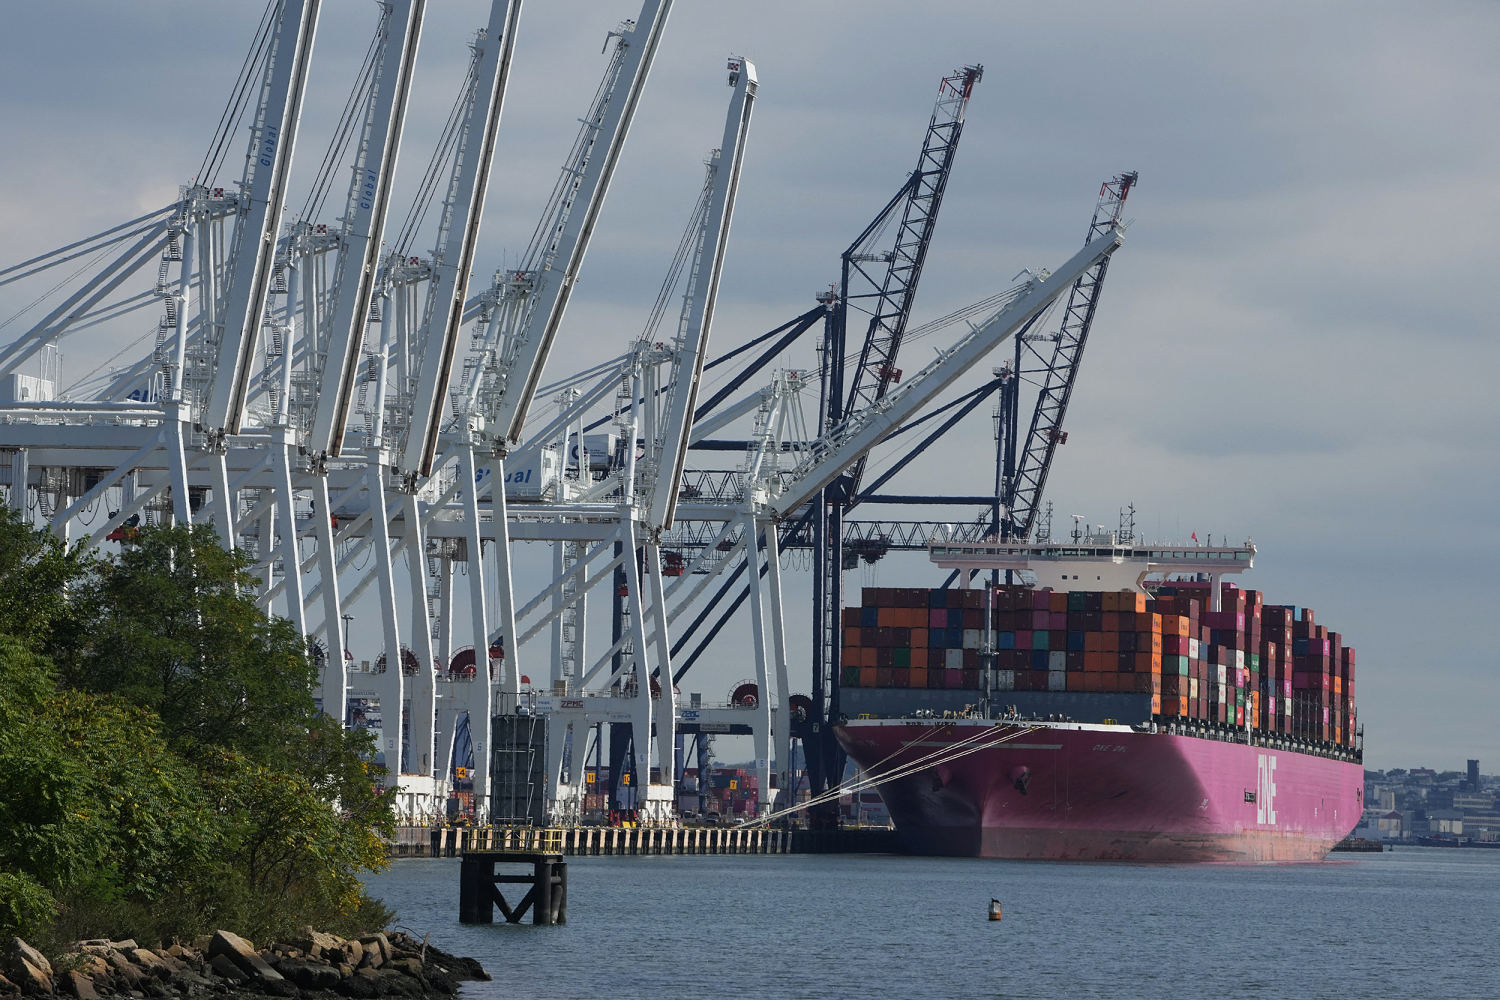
(1098, 715)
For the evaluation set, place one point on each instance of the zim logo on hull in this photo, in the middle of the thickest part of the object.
(1265, 788)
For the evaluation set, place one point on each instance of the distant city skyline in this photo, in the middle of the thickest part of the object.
(1294, 344)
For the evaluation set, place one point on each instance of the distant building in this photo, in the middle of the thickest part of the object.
(1473, 775)
(1445, 823)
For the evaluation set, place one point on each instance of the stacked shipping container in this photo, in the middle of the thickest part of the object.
(1247, 664)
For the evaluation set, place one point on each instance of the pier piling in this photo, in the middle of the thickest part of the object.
(479, 885)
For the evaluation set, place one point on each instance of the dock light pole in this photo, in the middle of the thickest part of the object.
(347, 620)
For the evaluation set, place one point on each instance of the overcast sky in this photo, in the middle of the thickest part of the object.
(1296, 343)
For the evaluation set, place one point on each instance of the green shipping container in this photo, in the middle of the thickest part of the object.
(901, 657)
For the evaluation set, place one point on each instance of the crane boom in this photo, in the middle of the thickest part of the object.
(364, 225)
(864, 429)
(454, 256)
(267, 166)
(701, 296)
(512, 360)
(890, 300)
(1024, 488)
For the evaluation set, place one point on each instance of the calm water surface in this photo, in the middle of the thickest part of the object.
(1408, 923)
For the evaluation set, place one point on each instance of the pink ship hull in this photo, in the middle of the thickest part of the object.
(1102, 793)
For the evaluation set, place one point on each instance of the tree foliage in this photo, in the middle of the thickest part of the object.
(163, 767)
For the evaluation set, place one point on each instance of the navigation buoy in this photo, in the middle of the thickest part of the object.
(994, 909)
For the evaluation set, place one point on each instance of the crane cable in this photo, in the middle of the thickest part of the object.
(235, 106)
(687, 247)
(953, 751)
(440, 156)
(344, 130)
(51, 258)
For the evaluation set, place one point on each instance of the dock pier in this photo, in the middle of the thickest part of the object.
(595, 841)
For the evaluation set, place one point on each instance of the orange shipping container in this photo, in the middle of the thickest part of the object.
(1093, 642)
(1111, 618)
(1132, 600)
(919, 637)
(866, 677)
(1057, 602)
(851, 637)
(919, 659)
(1111, 603)
(919, 675)
(890, 617)
(1110, 642)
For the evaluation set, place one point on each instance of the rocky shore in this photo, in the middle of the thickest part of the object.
(311, 965)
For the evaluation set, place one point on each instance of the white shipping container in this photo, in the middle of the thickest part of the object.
(1193, 648)
(971, 638)
(1057, 680)
(953, 659)
(1057, 659)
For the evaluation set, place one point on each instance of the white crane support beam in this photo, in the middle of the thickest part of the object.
(268, 165)
(527, 357)
(364, 225)
(693, 349)
(455, 258)
(84, 299)
(867, 428)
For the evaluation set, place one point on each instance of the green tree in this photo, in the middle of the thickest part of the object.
(95, 811)
(170, 625)
(172, 771)
(35, 572)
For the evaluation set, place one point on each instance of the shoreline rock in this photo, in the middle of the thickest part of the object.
(312, 965)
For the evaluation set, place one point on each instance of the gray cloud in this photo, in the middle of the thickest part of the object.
(1295, 343)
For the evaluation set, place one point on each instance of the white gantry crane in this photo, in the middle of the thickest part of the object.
(369, 428)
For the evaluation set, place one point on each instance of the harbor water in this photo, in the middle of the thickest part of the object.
(1413, 922)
